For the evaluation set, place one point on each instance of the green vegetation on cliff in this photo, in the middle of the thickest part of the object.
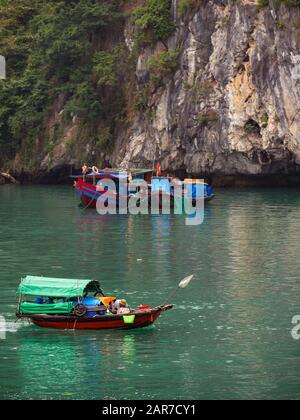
(153, 21)
(69, 56)
(54, 51)
(163, 65)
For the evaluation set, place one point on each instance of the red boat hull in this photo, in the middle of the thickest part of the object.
(89, 194)
(88, 202)
(104, 322)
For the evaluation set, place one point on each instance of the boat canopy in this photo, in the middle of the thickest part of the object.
(59, 288)
(115, 173)
(108, 174)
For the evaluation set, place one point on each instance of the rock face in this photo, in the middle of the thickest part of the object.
(7, 179)
(230, 109)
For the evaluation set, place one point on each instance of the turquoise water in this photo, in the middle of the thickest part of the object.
(229, 335)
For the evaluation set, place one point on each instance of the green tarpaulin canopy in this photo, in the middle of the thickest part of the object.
(48, 309)
(60, 288)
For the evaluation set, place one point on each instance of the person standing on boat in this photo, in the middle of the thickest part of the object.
(85, 170)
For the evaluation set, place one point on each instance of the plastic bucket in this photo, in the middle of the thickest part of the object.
(129, 319)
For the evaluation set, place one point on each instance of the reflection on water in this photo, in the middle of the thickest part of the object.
(229, 336)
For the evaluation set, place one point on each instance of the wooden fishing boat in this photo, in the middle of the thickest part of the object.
(134, 319)
(70, 304)
(88, 186)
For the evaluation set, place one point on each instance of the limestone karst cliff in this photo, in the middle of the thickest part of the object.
(219, 97)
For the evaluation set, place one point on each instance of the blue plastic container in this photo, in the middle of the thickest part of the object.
(90, 301)
(209, 190)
